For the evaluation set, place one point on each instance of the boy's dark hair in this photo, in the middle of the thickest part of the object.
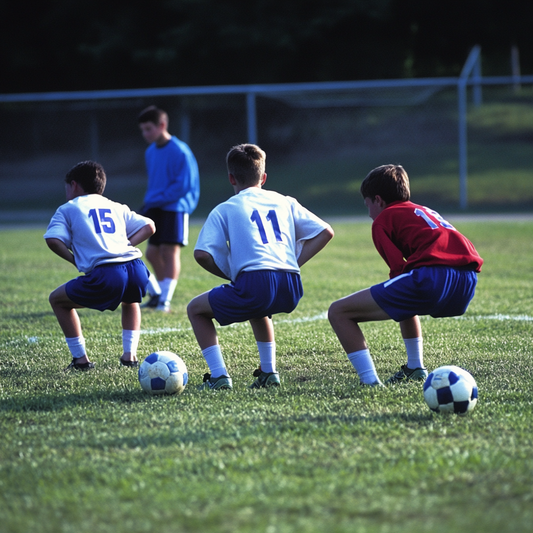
(246, 162)
(152, 114)
(90, 175)
(391, 182)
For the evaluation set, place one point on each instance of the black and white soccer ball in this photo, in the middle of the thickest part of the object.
(450, 389)
(163, 373)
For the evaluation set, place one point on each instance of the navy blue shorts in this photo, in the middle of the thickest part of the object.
(438, 291)
(171, 227)
(256, 294)
(106, 286)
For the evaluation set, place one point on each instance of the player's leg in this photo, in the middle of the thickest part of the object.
(154, 257)
(170, 256)
(154, 290)
(263, 329)
(172, 234)
(171, 259)
(413, 340)
(69, 321)
(266, 374)
(344, 316)
(201, 317)
(131, 330)
(412, 337)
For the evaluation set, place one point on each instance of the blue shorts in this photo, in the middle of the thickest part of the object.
(106, 286)
(256, 294)
(438, 291)
(171, 227)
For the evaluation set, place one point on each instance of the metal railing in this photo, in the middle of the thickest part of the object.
(320, 95)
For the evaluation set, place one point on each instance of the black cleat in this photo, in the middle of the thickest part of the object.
(152, 302)
(129, 363)
(79, 366)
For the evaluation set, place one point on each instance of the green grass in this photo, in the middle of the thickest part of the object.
(91, 452)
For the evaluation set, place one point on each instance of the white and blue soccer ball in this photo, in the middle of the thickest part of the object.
(450, 389)
(163, 373)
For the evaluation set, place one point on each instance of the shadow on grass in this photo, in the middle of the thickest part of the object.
(71, 401)
(58, 402)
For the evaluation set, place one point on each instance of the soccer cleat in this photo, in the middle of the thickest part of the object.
(220, 383)
(164, 307)
(408, 374)
(79, 366)
(375, 384)
(152, 302)
(265, 379)
(130, 363)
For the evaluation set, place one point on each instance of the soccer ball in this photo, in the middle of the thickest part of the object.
(450, 389)
(163, 373)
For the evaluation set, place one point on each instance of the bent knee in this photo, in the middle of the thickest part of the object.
(194, 308)
(54, 298)
(190, 309)
(334, 311)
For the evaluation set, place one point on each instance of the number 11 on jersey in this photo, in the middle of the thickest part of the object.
(272, 218)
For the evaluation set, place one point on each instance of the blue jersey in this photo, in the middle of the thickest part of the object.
(173, 177)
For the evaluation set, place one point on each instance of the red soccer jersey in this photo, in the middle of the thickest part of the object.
(409, 236)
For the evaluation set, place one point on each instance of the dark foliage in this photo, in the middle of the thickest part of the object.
(64, 45)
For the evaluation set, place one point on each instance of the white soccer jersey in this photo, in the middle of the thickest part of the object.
(258, 229)
(97, 230)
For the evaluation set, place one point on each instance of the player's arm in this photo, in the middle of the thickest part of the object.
(312, 246)
(144, 233)
(60, 248)
(390, 253)
(206, 261)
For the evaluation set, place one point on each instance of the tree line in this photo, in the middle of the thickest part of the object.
(61, 45)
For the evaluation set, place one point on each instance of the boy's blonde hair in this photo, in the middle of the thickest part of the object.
(390, 182)
(246, 162)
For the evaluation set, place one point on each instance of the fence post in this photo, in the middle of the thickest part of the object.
(477, 96)
(94, 136)
(251, 115)
(463, 160)
(472, 64)
(185, 126)
(515, 68)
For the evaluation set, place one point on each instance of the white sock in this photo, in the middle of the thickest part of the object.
(153, 287)
(267, 356)
(168, 286)
(76, 345)
(415, 352)
(364, 366)
(130, 340)
(215, 361)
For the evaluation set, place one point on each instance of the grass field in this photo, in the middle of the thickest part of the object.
(91, 452)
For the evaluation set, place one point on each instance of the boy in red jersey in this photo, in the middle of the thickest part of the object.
(433, 271)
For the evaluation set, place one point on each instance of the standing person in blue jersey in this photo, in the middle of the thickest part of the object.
(171, 196)
(98, 236)
(258, 240)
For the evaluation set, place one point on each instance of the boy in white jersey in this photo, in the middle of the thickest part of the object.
(258, 240)
(98, 236)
